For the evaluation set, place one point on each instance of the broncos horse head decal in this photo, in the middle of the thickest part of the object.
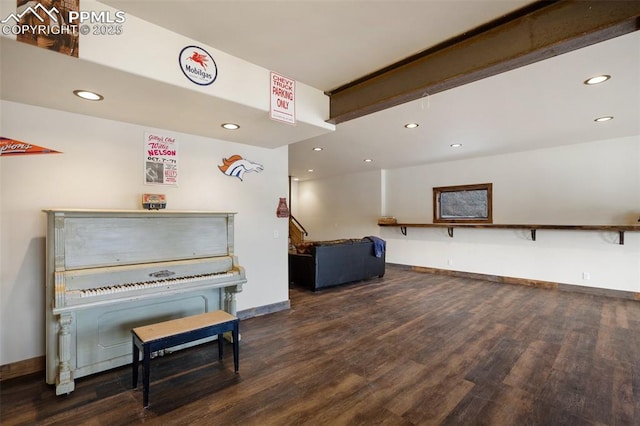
(238, 166)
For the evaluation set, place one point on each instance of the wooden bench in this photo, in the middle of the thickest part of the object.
(155, 337)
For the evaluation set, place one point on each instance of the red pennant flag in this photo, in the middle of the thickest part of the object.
(14, 147)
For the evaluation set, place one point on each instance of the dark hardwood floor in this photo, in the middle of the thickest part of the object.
(408, 349)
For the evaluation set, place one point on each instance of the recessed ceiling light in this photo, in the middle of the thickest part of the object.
(90, 96)
(296, 179)
(310, 170)
(317, 148)
(601, 119)
(230, 126)
(368, 160)
(455, 145)
(597, 79)
(411, 125)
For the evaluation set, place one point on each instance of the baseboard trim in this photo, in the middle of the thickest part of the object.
(264, 310)
(603, 292)
(37, 364)
(22, 368)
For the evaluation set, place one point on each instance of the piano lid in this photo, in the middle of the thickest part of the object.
(120, 237)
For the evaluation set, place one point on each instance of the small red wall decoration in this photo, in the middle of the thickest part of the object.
(282, 210)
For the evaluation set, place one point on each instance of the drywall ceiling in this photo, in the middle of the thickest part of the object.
(322, 43)
(538, 106)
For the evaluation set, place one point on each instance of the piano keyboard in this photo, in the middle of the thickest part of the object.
(119, 288)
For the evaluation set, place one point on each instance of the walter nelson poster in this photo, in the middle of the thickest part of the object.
(160, 159)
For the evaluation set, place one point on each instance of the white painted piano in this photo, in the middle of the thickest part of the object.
(109, 271)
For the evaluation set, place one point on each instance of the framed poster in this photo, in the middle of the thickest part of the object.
(160, 159)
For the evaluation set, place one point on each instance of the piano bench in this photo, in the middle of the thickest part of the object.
(163, 335)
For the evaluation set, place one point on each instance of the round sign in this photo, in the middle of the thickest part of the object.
(197, 65)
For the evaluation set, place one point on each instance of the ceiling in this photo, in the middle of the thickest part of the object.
(328, 43)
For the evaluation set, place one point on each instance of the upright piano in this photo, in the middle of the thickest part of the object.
(108, 271)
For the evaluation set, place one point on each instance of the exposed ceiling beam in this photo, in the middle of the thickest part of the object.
(539, 31)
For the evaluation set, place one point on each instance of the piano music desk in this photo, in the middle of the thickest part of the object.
(163, 335)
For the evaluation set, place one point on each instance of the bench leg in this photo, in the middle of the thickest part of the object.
(146, 367)
(220, 344)
(236, 346)
(134, 364)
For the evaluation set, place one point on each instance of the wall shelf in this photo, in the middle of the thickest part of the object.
(620, 229)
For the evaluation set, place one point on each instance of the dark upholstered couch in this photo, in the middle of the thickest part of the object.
(330, 263)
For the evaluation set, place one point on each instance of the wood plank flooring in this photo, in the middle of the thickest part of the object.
(408, 349)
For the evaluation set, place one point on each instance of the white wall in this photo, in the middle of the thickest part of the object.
(592, 183)
(101, 166)
(595, 183)
(340, 207)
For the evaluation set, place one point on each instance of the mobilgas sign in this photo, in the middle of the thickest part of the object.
(197, 65)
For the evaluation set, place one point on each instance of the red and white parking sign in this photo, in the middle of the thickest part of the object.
(283, 99)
